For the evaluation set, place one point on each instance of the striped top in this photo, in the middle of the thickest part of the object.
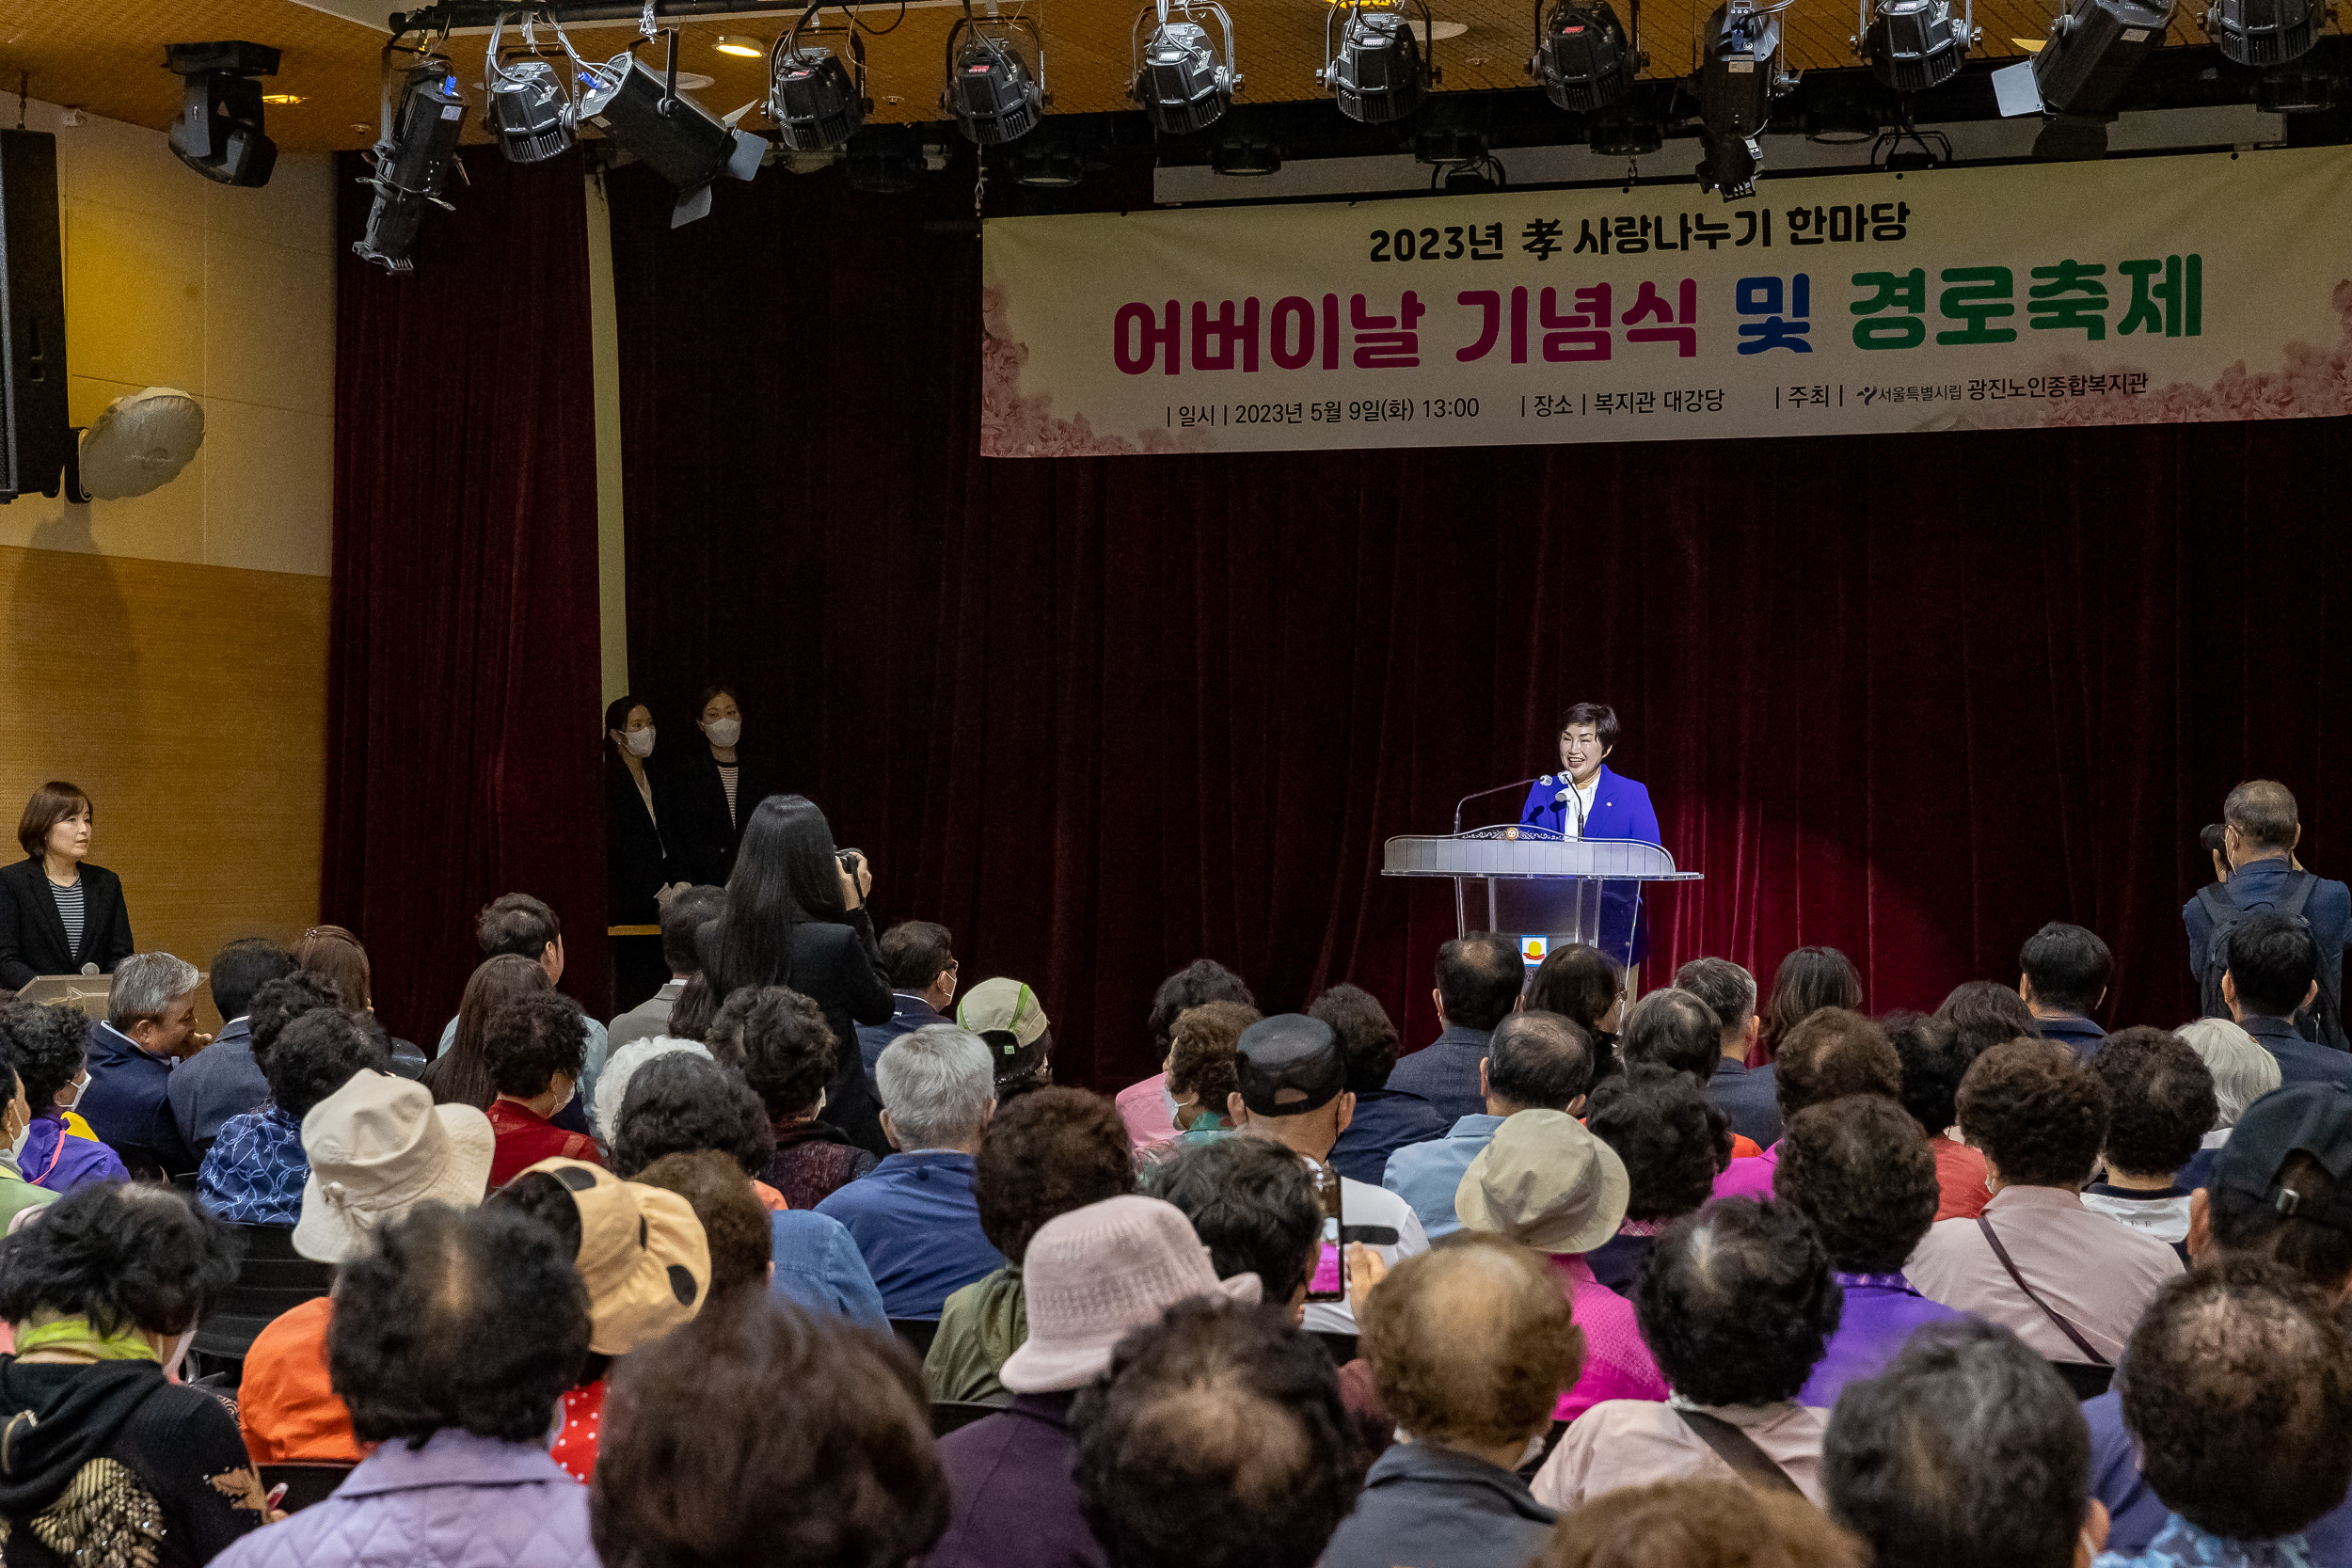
(727, 777)
(70, 910)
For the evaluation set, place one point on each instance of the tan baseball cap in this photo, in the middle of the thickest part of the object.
(642, 1255)
(1545, 1182)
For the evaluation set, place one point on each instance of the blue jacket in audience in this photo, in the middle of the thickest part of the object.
(2135, 1514)
(917, 1223)
(2301, 1061)
(819, 1267)
(908, 1013)
(128, 1104)
(2075, 1030)
(218, 1081)
(1425, 1174)
(1423, 1505)
(1445, 1072)
(1385, 1122)
(1749, 1098)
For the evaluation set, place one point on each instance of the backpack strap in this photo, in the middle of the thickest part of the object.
(1738, 1450)
(2048, 1312)
(2301, 883)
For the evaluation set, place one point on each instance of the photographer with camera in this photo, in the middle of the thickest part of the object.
(795, 916)
(2256, 872)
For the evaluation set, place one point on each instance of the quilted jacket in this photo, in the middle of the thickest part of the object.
(461, 1501)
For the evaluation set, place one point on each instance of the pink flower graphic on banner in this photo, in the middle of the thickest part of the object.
(1015, 426)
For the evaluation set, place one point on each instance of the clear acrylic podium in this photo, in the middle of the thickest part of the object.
(1532, 881)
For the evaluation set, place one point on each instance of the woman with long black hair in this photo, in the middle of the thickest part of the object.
(795, 916)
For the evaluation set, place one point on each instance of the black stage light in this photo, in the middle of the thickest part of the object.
(412, 159)
(1244, 155)
(527, 107)
(218, 133)
(2094, 47)
(1913, 45)
(1376, 72)
(1182, 82)
(994, 93)
(817, 100)
(1583, 56)
(1739, 74)
(2261, 32)
(645, 113)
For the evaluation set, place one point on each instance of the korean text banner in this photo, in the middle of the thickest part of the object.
(2133, 291)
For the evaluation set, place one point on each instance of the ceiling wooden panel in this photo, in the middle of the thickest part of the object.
(106, 55)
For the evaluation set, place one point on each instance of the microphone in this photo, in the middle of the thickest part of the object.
(89, 969)
(1479, 794)
(1568, 794)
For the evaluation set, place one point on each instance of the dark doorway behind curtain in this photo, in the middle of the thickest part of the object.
(1911, 697)
(462, 712)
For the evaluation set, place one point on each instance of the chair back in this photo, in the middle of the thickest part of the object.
(273, 1280)
(916, 1333)
(307, 1480)
(2087, 1379)
(947, 1415)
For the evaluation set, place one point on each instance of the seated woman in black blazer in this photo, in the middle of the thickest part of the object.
(57, 913)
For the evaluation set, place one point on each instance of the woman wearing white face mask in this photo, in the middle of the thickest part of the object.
(716, 785)
(637, 804)
(48, 1045)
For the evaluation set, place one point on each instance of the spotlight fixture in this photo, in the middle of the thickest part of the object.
(994, 93)
(2261, 32)
(1180, 80)
(737, 44)
(1583, 56)
(412, 159)
(1244, 155)
(2094, 47)
(1377, 71)
(218, 133)
(1913, 45)
(1738, 76)
(677, 138)
(816, 102)
(532, 114)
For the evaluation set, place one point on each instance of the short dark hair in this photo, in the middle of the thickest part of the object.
(1202, 980)
(696, 1007)
(2244, 1224)
(1217, 1440)
(679, 1103)
(1932, 1059)
(1861, 1170)
(1916, 1458)
(1539, 1061)
(2161, 1101)
(1478, 979)
(761, 1435)
(2272, 963)
(515, 922)
(48, 1042)
(1599, 715)
(682, 918)
(1471, 1343)
(278, 1002)
(1368, 1041)
(529, 1039)
(335, 955)
(244, 967)
(1203, 1052)
(1699, 1524)
(1809, 979)
(1672, 1142)
(2068, 965)
(916, 951)
(1044, 1154)
(1577, 982)
(1832, 1053)
(1253, 1206)
(2037, 1111)
(471, 1319)
(1728, 990)
(2262, 810)
(1737, 1303)
(1986, 1013)
(52, 803)
(742, 1242)
(788, 1049)
(319, 1052)
(122, 1255)
(1674, 1029)
(2241, 1358)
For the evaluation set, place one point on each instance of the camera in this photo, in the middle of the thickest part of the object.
(2211, 836)
(851, 860)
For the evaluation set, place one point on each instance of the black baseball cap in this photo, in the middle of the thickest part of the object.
(2309, 1119)
(1288, 1065)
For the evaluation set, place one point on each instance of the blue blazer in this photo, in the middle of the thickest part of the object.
(1621, 809)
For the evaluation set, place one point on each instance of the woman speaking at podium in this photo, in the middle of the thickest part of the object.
(57, 913)
(1584, 799)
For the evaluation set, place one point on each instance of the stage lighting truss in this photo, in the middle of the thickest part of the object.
(2263, 32)
(1181, 80)
(816, 98)
(995, 86)
(1584, 57)
(1912, 45)
(532, 110)
(1739, 75)
(645, 113)
(1378, 71)
(422, 113)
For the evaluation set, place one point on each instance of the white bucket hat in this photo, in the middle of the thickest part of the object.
(378, 1146)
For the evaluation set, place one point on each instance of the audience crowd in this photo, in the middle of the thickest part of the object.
(808, 1260)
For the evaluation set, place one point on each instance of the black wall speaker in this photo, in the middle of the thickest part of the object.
(34, 437)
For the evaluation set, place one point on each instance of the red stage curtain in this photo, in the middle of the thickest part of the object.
(1911, 697)
(463, 676)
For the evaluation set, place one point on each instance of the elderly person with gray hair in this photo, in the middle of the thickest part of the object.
(149, 1028)
(2243, 1073)
(915, 1217)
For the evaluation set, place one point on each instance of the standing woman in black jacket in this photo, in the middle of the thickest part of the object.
(636, 862)
(714, 787)
(57, 911)
(795, 916)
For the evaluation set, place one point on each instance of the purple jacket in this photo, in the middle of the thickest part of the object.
(1015, 1504)
(461, 1501)
(56, 1159)
(1880, 1312)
